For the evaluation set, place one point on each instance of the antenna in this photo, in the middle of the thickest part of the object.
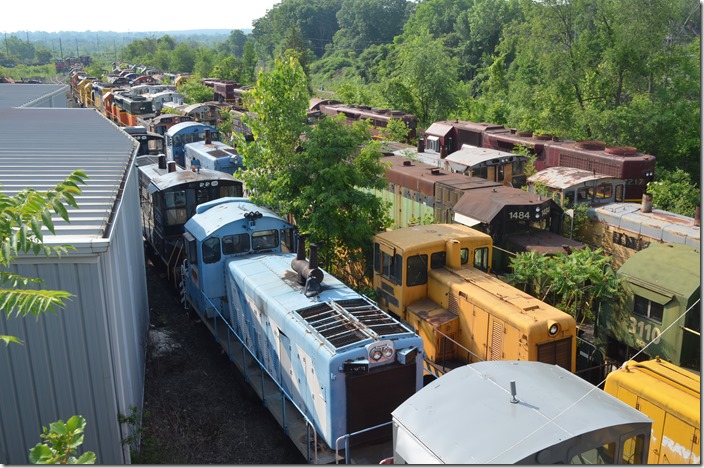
(513, 392)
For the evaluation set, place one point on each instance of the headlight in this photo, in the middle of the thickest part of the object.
(388, 352)
(376, 354)
(553, 329)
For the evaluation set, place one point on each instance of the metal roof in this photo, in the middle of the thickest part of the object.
(439, 129)
(665, 268)
(484, 205)
(466, 416)
(336, 316)
(657, 224)
(23, 95)
(41, 147)
(470, 156)
(562, 177)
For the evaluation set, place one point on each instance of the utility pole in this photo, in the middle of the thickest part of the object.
(61, 49)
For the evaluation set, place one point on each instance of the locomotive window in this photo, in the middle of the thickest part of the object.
(287, 237)
(263, 240)
(633, 451)
(603, 455)
(602, 191)
(175, 199)
(237, 243)
(437, 260)
(569, 198)
(417, 270)
(391, 267)
(481, 258)
(647, 308)
(619, 193)
(211, 250)
(518, 167)
(464, 255)
(176, 216)
(583, 195)
(203, 195)
(377, 257)
(229, 191)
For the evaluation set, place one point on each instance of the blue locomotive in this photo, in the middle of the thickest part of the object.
(331, 353)
(181, 134)
(213, 155)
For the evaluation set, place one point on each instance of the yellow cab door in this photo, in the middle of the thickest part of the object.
(656, 439)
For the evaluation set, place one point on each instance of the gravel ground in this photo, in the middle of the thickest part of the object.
(197, 407)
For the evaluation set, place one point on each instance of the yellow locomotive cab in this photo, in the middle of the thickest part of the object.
(670, 396)
(435, 277)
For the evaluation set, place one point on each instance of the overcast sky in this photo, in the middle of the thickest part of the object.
(131, 15)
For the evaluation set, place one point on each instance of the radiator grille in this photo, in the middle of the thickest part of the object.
(349, 321)
(557, 352)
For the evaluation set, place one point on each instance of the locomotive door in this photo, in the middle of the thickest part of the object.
(372, 396)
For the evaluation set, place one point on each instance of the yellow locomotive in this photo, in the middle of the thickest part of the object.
(436, 278)
(670, 396)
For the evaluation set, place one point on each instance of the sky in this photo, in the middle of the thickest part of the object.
(133, 16)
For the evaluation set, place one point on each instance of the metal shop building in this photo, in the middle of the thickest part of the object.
(89, 358)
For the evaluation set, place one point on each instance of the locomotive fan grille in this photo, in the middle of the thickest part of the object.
(349, 321)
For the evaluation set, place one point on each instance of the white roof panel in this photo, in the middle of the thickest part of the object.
(42, 146)
(466, 416)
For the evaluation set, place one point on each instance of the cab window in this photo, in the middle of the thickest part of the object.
(417, 270)
(211, 250)
(264, 240)
(481, 258)
(235, 244)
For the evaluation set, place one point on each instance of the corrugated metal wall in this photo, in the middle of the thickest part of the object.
(87, 359)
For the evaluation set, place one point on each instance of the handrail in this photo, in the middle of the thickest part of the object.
(347, 442)
(262, 367)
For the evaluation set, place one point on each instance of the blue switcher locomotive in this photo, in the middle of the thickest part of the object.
(328, 363)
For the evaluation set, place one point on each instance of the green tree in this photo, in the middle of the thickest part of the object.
(366, 22)
(22, 218)
(319, 180)
(193, 90)
(183, 59)
(61, 442)
(674, 191)
(574, 283)
(204, 62)
(425, 81)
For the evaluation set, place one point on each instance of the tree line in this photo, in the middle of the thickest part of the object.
(625, 72)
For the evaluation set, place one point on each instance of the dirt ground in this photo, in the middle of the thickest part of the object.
(197, 407)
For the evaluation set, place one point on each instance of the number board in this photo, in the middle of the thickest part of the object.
(528, 213)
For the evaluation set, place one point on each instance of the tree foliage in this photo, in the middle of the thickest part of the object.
(574, 283)
(674, 191)
(318, 179)
(62, 440)
(22, 220)
(194, 91)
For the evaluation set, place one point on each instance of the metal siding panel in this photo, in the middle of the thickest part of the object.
(79, 360)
